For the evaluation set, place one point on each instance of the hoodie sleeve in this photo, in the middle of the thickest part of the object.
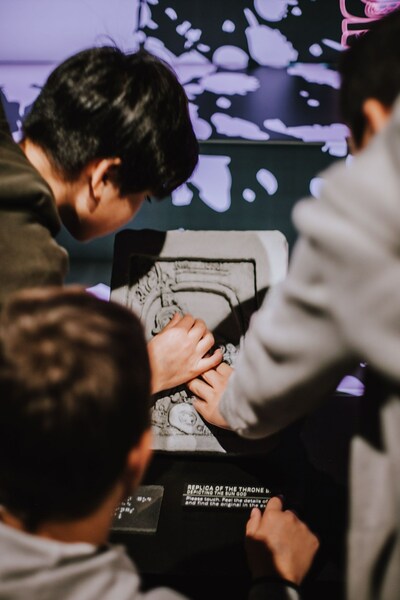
(267, 589)
(340, 302)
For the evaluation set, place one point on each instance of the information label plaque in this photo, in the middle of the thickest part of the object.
(222, 496)
(140, 512)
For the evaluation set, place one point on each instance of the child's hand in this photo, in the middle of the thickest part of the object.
(278, 543)
(209, 389)
(179, 352)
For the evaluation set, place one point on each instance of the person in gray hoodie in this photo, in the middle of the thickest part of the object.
(339, 305)
(75, 441)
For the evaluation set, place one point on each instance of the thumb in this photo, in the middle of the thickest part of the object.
(274, 503)
(175, 319)
(254, 522)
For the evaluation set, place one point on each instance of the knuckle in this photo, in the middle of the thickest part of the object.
(209, 340)
(315, 542)
(290, 516)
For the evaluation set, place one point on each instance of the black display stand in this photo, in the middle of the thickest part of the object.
(200, 552)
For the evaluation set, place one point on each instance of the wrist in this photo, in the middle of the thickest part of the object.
(295, 579)
(270, 572)
(275, 579)
(156, 379)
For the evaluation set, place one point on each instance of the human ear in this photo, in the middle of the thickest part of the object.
(376, 114)
(139, 458)
(101, 179)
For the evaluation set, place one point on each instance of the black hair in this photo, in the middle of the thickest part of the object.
(102, 103)
(370, 68)
(74, 399)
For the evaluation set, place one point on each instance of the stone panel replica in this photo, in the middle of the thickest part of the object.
(219, 276)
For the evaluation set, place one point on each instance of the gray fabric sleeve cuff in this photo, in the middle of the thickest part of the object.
(273, 589)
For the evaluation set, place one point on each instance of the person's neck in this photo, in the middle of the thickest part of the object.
(62, 190)
(93, 529)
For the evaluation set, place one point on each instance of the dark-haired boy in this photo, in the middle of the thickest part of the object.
(340, 304)
(106, 130)
(75, 440)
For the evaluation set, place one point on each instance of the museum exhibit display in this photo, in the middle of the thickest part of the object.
(262, 85)
(218, 276)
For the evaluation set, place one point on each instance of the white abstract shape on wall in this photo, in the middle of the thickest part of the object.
(201, 127)
(188, 44)
(316, 185)
(316, 73)
(192, 58)
(203, 47)
(336, 132)
(230, 57)
(183, 27)
(313, 102)
(138, 38)
(145, 18)
(296, 11)
(335, 148)
(194, 35)
(182, 196)
(273, 10)
(213, 179)
(267, 180)
(158, 48)
(228, 26)
(315, 50)
(236, 127)
(332, 44)
(192, 65)
(192, 90)
(267, 46)
(223, 102)
(304, 94)
(249, 195)
(171, 13)
(230, 83)
(334, 136)
(186, 73)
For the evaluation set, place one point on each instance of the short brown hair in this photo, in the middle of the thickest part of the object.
(74, 399)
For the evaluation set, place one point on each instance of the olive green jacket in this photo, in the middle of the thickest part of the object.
(29, 254)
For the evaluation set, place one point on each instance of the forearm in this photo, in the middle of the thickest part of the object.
(292, 357)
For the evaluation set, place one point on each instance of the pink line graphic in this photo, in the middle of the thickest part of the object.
(373, 10)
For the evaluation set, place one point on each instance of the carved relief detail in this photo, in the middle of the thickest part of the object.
(163, 290)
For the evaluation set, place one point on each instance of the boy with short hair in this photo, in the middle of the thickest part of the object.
(106, 130)
(75, 441)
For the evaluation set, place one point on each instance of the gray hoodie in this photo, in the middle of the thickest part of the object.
(42, 569)
(339, 304)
